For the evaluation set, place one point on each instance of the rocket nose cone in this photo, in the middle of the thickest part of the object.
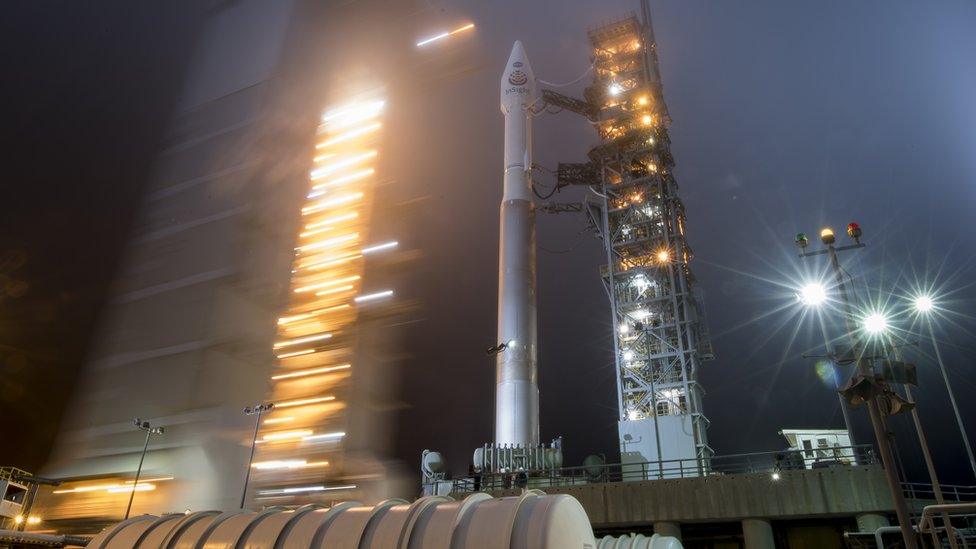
(518, 52)
(519, 60)
(518, 80)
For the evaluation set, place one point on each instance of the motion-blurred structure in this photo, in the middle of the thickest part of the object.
(316, 342)
(257, 275)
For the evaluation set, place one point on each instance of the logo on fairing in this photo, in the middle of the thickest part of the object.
(517, 77)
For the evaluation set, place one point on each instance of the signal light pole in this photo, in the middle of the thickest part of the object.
(864, 372)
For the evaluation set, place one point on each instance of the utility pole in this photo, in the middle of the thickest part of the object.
(840, 398)
(927, 455)
(952, 396)
(864, 371)
(150, 431)
(255, 410)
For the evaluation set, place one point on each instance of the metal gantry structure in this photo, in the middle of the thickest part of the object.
(660, 336)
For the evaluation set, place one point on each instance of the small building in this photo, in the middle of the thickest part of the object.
(820, 447)
(13, 494)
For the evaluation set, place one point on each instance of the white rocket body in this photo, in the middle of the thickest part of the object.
(516, 384)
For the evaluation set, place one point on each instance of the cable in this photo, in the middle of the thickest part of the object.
(579, 240)
(575, 80)
(555, 189)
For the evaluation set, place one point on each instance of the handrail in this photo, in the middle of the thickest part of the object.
(926, 524)
(950, 492)
(746, 463)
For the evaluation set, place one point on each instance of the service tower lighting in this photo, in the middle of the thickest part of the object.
(660, 336)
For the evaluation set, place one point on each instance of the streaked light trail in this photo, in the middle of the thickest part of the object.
(380, 247)
(441, 36)
(373, 297)
(312, 372)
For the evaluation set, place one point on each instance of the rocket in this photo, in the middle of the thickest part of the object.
(516, 384)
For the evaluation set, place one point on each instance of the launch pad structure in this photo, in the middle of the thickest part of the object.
(658, 326)
(660, 337)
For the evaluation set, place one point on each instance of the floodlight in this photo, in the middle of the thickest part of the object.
(924, 304)
(812, 294)
(876, 323)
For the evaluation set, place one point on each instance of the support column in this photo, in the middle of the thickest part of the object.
(758, 534)
(869, 522)
(670, 529)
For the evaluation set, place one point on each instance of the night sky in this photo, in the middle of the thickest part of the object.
(785, 117)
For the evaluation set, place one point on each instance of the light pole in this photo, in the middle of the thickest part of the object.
(924, 305)
(255, 410)
(865, 372)
(150, 431)
(814, 294)
(924, 444)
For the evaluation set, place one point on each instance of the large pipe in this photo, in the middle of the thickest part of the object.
(516, 385)
(532, 520)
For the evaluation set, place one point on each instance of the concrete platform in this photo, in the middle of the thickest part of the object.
(842, 491)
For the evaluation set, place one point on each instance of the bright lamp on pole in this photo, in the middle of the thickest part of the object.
(923, 303)
(812, 294)
(876, 323)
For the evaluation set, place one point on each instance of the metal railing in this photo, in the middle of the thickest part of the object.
(954, 493)
(958, 533)
(752, 463)
(12, 473)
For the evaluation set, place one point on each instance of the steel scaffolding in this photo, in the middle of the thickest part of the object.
(660, 336)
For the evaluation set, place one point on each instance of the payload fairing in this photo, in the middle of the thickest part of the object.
(516, 385)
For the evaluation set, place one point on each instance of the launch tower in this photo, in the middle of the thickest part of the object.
(659, 332)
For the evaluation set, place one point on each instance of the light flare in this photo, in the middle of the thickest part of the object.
(300, 340)
(331, 220)
(304, 402)
(380, 247)
(312, 372)
(301, 489)
(287, 435)
(328, 243)
(444, 35)
(287, 464)
(351, 134)
(319, 206)
(374, 297)
(326, 284)
(323, 171)
(812, 294)
(355, 176)
(296, 353)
